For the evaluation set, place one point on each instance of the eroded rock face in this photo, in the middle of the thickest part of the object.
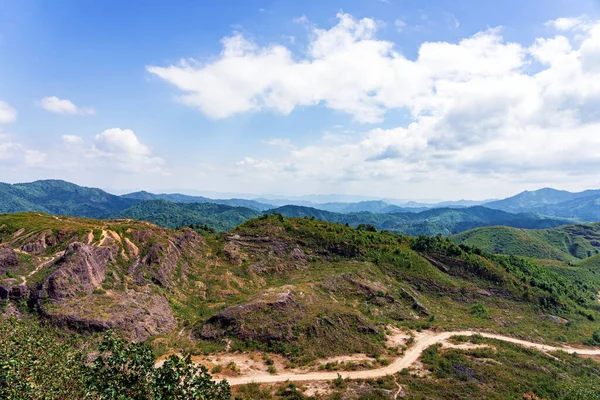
(163, 259)
(285, 314)
(136, 315)
(11, 290)
(81, 270)
(37, 246)
(270, 317)
(8, 258)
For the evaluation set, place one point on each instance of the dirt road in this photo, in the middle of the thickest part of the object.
(411, 355)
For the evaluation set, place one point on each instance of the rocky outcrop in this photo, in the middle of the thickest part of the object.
(11, 290)
(264, 254)
(286, 314)
(80, 271)
(270, 317)
(37, 246)
(137, 316)
(8, 258)
(164, 258)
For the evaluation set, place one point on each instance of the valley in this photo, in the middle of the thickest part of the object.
(297, 290)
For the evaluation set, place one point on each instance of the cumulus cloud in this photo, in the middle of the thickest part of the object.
(117, 152)
(7, 113)
(64, 106)
(122, 149)
(477, 106)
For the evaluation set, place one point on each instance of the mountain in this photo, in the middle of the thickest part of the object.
(175, 215)
(279, 291)
(182, 198)
(566, 243)
(60, 198)
(532, 201)
(444, 221)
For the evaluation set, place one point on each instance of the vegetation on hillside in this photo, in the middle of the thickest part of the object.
(60, 198)
(41, 362)
(566, 243)
(176, 215)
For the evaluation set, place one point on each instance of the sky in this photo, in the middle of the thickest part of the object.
(404, 99)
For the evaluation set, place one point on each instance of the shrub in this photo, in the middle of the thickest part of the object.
(126, 371)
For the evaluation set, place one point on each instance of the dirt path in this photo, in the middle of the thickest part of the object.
(422, 342)
(47, 261)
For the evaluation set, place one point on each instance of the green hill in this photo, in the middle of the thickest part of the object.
(183, 198)
(60, 198)
(297, 290)
(175, 215)
(566, 243)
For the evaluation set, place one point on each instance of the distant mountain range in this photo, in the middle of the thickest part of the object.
(442, 221)
(583, 206)
(545, 208)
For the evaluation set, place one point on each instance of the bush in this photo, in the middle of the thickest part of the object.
(126, 371)
(38, 363)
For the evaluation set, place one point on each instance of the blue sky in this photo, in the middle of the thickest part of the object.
(404, 99)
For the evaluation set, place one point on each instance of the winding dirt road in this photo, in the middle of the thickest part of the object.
(409, 358)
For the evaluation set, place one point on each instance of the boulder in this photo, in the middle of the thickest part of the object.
(8, 258)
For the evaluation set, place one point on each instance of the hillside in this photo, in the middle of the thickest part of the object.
(443, 221)
(60, 198)
(182, 198)
(566, 243)
(175, 215)
(297, 289)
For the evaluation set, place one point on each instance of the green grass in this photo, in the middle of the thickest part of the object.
(566, 243)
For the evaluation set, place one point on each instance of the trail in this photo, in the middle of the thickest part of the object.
(411, 355)
(47, 261)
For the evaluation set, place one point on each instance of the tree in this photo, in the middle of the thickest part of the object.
(125, 371)
(38, 362)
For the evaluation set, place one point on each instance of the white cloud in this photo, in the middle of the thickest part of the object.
(64, 106)
(7, 113)
(570, 23)
(483, 113)
(14, 155)
(72, 140)
(279, 142)
(122, 148)
(400, 25)
(476, 107)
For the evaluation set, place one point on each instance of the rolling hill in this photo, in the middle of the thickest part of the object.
(298, 291)
(565, 243)
(176, 215)
(60, 198)
(183, 198)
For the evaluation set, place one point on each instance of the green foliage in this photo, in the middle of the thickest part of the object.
(480, 310)
(60, 198)
(175, 215)
(444, 221)
(125, 371)
(566, 243)
(38, 363)
(478, 373)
